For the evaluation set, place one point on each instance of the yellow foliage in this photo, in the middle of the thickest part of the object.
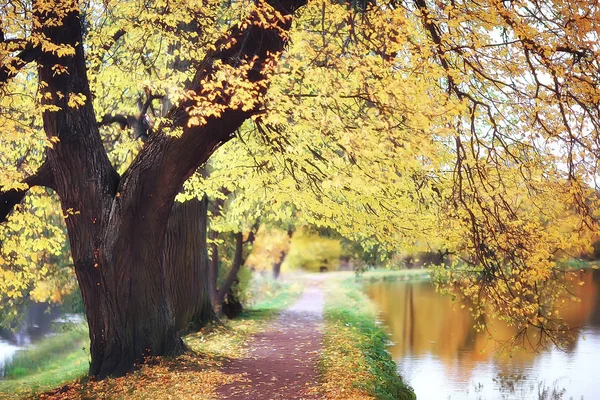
(269, 247)
(32, 257)
(312, 252)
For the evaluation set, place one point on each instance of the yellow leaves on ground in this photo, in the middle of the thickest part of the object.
(190, 376)
(186, 377)
(224, 341)
(342, 357)
(194, 375)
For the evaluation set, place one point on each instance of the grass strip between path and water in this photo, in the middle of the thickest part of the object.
(194, 375)
(355, 363)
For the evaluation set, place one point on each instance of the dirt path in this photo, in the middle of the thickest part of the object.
(282, 361)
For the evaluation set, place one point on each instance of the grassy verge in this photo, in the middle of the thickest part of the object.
(355, 363)
(396, 274)
(574, 264)
(195, 375)
(56, 359)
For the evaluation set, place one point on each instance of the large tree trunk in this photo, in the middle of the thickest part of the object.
(141, 322)
(117, 259)
(186, 264)
(117, 226)
(123, 327)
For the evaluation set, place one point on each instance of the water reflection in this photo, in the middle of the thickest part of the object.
(7, 351)
(442, 356)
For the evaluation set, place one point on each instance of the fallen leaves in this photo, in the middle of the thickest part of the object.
(190, 376)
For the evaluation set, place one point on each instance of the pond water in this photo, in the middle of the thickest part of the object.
(39, 320)
(442, 357)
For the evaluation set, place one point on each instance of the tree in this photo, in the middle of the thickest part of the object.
(221, 296)
(118, 223)
(485, 141)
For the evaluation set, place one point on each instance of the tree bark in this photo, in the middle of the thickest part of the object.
(213, 276)
(277, 265)
(238, 261)
(117, 225)
(186, 264)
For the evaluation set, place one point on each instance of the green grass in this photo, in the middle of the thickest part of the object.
(354, 341)
(396, 274)
(581, 264)
(269, 296)
(49, 363)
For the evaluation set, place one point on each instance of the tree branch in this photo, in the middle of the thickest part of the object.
(252, 233)
(140, 124)
(95, 59)
(27, 55)
(213, 272)
(124, 121)
(253, 41)
(10, 198)
(148, 103)
(115, 37)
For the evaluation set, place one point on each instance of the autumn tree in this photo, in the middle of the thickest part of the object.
(117, 222)
(392, 123)
(526, 151)
(459, 124)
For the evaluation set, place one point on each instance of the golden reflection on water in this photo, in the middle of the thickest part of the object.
(424, 323)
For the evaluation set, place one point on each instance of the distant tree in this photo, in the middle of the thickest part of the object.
(233, 245)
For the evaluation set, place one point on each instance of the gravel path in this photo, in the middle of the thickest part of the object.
(282, 361)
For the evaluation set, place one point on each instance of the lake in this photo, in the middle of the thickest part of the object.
(442, 357)
(39, 320)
